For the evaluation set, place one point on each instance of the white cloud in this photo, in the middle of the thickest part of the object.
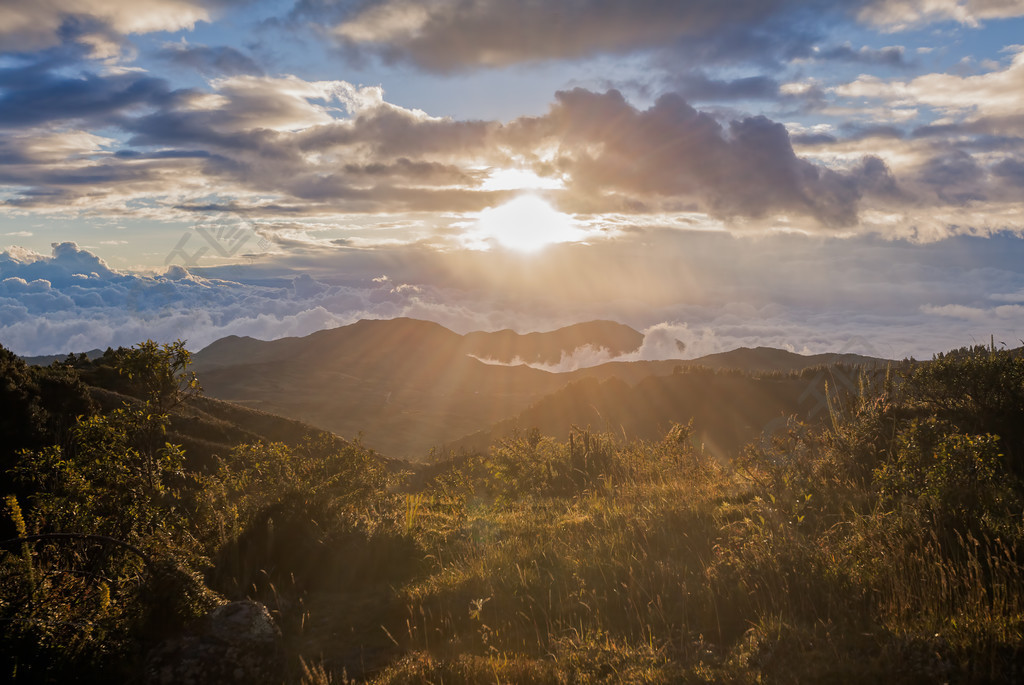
(957, 311)
(582, 357)
(662, 341)
(708, 291)
(999, 92)
(36, 24)
(898, 15)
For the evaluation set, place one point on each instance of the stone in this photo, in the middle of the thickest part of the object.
(235, 642)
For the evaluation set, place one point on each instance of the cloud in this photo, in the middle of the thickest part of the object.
(279, 147)
(898, 15)
(956, 173)
(311, 148)
(662, 341)
(220, 60)
(454, 35)
(68, 265)
(447, 35)
(27, 25)
(250, 133)
(892, 56)
(709, 291)
(956, 177)
(671, 155)
(584, 356)
(697, 86)
(995, 93)
(38, 93)
(1011, 170)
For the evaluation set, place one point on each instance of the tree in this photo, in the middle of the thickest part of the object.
(153, 372)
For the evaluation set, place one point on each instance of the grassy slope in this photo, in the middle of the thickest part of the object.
(666, 568)
(890, 548)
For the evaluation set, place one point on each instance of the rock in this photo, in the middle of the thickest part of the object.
(235, 642)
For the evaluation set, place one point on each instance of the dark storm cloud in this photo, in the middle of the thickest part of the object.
(450, 35)
(211, 61)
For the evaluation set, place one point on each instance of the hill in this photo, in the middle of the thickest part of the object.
(508, 347)
(44, 399)
(882, 545)
(728, 410)
(47, 359)
(408, 385)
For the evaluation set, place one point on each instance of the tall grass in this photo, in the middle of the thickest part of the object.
(888, 547)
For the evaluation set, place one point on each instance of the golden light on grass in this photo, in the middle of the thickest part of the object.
(526, 224)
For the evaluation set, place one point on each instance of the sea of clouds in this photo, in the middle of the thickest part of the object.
(71, 300)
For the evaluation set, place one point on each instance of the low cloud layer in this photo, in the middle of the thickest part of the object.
(709, 293)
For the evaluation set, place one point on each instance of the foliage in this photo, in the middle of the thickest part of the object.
(955, 478)
(155, 373)
(38, 405)
(887, 546)
(978, 390)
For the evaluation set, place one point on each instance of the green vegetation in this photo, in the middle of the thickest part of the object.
(886, 545)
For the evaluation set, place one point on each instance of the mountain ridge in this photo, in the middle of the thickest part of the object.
(409, 385)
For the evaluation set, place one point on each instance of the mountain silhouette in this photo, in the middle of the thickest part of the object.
(408, 385)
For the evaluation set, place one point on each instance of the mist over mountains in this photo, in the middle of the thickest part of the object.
(709, 291)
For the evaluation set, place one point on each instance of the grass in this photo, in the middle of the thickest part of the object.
(889, 547)
(690, 574)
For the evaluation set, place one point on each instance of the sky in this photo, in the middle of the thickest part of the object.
(803, 174)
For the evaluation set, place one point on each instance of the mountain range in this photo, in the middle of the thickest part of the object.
(408, 386)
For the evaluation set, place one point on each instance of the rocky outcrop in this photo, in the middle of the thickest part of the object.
(237, 642)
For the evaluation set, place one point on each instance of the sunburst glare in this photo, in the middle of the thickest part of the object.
(526, 224)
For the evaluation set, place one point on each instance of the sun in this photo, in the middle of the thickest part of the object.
(526, 224)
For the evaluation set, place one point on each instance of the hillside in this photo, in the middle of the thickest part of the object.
(47, 359)
(508, 346)
(375, 340)
(205, 427)
(884, 544)
(728, 410)
(408, 386)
